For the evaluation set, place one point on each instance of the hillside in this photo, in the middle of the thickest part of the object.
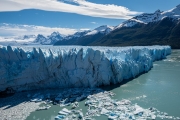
(164, 32)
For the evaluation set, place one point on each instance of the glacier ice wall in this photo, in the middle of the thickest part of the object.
(26, 68)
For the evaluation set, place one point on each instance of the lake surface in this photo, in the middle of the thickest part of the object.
(159, 88)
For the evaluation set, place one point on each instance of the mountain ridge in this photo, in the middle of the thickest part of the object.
(164, 32)
(158, 28)
(88, 37)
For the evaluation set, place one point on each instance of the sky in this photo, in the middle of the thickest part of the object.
(22, 17)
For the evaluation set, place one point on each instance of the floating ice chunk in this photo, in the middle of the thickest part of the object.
(66, 110)
(63, 102)
(113, 116)
(75, 105)
(63, 113)
(59, 117)
(123, 102)
(48, 101)
(104, 111)
(153, 117)
(121, 108)
(44, 108)
(131, 117)
(144, 96)
(107, 104)
(139, 110)
(80, 115)
(178, 118)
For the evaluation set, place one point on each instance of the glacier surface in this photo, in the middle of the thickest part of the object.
(27, 68)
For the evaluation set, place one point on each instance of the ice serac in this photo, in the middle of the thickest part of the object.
(27, 68)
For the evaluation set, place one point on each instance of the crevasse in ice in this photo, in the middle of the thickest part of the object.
(26, 68)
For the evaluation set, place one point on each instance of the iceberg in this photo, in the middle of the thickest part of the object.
(27, 68)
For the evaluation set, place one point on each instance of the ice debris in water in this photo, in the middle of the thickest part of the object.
(44, 107)
(75, 105)
(98, 102)
(101, 103)
(66, 114)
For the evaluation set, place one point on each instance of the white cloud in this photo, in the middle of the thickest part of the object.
(84, 29)
(20, 30)
(82, 7)
(94, 22)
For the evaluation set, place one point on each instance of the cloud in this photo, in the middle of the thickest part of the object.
(84, 29)
(82, 7)
(94, 23)
(20, 30)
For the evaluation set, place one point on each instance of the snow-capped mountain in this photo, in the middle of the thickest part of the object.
(158, 28)
(86, 37)
(151, 17)
(77, 35)
(104, 29)
(51, 39)
(40, 39)
(54, 37)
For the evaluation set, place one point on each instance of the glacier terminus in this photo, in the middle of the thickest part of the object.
(27, 67)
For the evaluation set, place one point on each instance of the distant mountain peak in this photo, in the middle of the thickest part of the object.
(56, 34)
(39, 35)
(51, 39)
(158, 11)
(40, 39)
(104, 29)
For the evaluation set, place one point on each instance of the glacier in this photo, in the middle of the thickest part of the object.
(27, 67)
